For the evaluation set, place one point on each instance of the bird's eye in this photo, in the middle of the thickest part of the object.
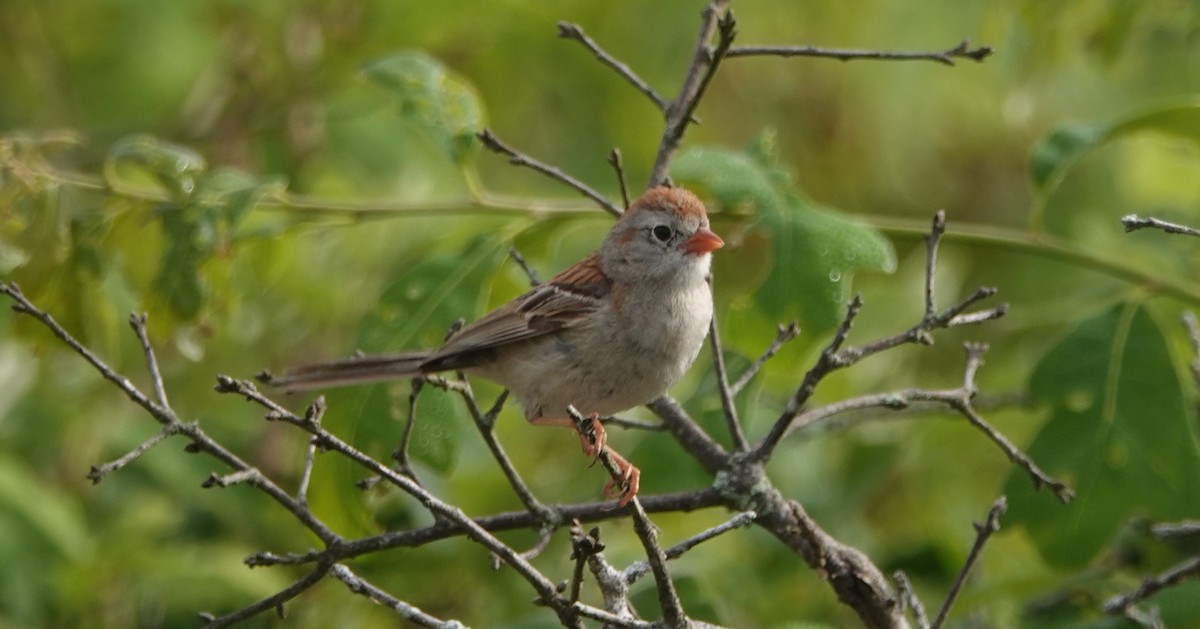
(662, 233)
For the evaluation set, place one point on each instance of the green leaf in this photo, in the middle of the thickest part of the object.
(815, 251)
(177, 168)
(445, 106)
(426, 298)
(437, 435)
(1118, 431)
(189, 243)
(235, 193)
(1064, 147)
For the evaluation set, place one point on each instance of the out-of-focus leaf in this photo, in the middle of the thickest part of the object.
(235, 193)
(177, 168)
(1062, 148)
(445, 106)
(426, 298)
(437, 435)
(815, 251)
(1118, 431)
(189, 243)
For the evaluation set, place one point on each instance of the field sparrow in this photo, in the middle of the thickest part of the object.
(611, 332)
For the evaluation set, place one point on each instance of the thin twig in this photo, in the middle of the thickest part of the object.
(982, 533)
(98, 472)
(138, 323)
(932, 239)
(583, 547)
(732, 422)
(834, 357)
(545, 589)
(910, 599)
(1189, 569)
(1176, 530)
(828, 361)
(517, 158)
(962, 51)
(638, 569)
(274, 601)
(1133, 222)
(614, 159)
(782, 335)
(567, 30)
(358, 585)
(310, 459)
(401, 454)
(160, 413)
(485, 423)
(530, 273)
(679, 113)
(199, 440)
(668, 597)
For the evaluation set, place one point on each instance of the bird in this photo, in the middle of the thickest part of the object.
(611, 332)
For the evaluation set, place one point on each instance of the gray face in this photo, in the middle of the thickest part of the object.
(649, 244)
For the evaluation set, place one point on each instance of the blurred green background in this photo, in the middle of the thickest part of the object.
(138, 138)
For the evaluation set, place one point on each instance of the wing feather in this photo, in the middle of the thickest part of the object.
(563, 301)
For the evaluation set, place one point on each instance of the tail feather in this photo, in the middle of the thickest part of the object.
(357, 370)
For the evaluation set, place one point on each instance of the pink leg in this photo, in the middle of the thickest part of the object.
(592, 443)
(594, 440)
(631, 478)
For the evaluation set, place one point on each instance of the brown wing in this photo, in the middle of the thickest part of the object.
(559, 303)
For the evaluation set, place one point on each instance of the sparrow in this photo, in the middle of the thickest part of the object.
(609, 333)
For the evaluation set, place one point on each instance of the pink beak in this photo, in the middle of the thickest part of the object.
(703, 241)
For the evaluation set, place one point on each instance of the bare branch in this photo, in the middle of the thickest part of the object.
(160, 413)
(638, 569)
(716, 19)
(932, 240)
(910, 600)
(1122, 604)
(614, 159)
(567, 30)
(358, 585)
(668, 598)
(515, 254)
(98, 472)
(517, 158)
(982, 533)
(138, 323)
(833, 357)
(1133, 222)
(485, 423)
(1186, 529)
(726, 392)
(274, 601)
(545, 589)
(782, 335)
(829, 361)
(401, 453)
(946, 57)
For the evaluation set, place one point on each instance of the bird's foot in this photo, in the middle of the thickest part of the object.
(626, 486)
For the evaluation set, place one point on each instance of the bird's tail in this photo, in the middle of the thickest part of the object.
(357, 370)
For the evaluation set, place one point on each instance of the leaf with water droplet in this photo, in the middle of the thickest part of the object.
(174, 166)
(815, 251)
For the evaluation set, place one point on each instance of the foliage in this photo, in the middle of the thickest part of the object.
(282, 182)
